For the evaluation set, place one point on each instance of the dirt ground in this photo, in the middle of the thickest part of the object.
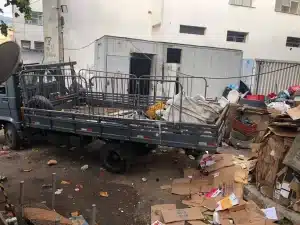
(129, 199)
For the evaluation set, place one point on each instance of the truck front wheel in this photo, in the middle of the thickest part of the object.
(12, 139)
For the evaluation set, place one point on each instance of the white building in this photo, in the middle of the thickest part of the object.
(267, 29)
(29, 33)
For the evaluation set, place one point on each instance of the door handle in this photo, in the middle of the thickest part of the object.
(4, 100)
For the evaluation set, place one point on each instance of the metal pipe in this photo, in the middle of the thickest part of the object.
(93, 214)
(21, 200)
(53, 189)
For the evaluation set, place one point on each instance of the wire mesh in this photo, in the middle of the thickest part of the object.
(102, 93)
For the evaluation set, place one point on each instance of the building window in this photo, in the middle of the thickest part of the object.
(36, 18)
(185, 29)
(246, 3)
(288, 6)
(293, 42)
(25, 44)
(173, 55)
(234, 36)
(39, 45)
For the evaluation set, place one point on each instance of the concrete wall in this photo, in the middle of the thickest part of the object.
(84, 23)
(160, 20)
(29, 32)
(267, 29)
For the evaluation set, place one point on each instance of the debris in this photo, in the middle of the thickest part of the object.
(3, 178)
(78, 220)
(52, 162)
(46, 186)
(270, 213)
(72, 149)
(76, 213)
(84, 168)
(44, 202)
(5, 148)
(77, 189)
(12, 220)
(144, 179)
(182, 151)
(64, 182)
(26, 170)
(70, 196)
(157, 223)
(4, 153)
(165, 187)
(227, 202)
(43, 216)
(35, 149)
(79, 186)
(191, 157)
(58, 191)
(294, 113)
(103, 194)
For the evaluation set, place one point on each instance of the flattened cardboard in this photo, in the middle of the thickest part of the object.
(191, 203)
(181, 186)
(157, 216)
(283, 132)
(294, 113)
(225, 161)
(156, 211)
(196, 222)
(292, 158)
(191, 172)
(170, 216)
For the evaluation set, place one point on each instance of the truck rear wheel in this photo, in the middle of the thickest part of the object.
(118, 157)
(12, 139)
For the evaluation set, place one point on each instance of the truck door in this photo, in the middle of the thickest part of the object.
(4, 100)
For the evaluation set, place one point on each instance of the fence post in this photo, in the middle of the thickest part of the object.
(53, 190)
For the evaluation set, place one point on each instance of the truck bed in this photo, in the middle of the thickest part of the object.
(181, 135)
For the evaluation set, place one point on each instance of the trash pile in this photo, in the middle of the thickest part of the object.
(182, 108)
(278, 166)
(214, 195)
(270, 127)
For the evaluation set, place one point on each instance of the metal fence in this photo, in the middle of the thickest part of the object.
(274, 76)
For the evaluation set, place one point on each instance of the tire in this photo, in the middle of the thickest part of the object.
(12, 138)
(143, 149)
(40, 102)
(117, 157)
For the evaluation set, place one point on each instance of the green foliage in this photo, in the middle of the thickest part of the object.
(22, 5)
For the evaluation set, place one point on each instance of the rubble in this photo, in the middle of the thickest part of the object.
(51, 162)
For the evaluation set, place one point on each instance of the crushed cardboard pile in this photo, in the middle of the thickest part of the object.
(216, 196)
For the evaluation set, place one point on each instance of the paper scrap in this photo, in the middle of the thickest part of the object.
(65, 182)
(103, 194)
(227, 202)
(284, 193)
(157, 223)
(270, 213)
